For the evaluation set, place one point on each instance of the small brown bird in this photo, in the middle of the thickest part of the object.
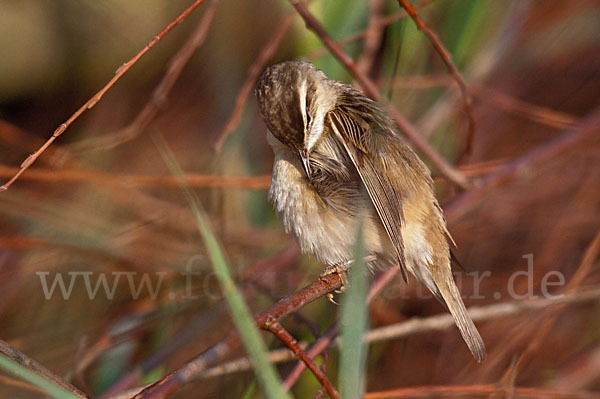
(331, 145)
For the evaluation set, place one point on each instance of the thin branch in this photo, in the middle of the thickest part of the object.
(587, 262)
(373, 37)
(161, 92)
(189, 332)
(96, 97)
(477, 169)
(318, 347)
(139, 203)
(584, 129)
(195, 367)
(195, 180)
(259, 63)
(320, 287)
(372, 91)
(141, 180)
(447, 58)
(505, 102)
(41, 372)
(285, 337)
(20, 384)
(415, 325)
(477, 314)
(383, 22)
(20, 140)
(542, 331)
(543, 115)
(463, 391)
(198, 367)
(284, 355)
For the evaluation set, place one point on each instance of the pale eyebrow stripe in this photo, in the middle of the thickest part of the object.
(303, 90)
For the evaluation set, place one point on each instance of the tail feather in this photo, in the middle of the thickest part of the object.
(448, 294)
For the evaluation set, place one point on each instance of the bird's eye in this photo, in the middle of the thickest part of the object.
(304, 153)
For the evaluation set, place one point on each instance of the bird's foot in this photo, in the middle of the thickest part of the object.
(341, 269)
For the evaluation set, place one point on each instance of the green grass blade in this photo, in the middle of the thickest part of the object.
(468, 19)
(354, 323)
(48, 386)
(264, 370)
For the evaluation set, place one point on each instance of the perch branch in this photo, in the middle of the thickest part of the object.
(196, 366)
(414, 326)
(324, 341)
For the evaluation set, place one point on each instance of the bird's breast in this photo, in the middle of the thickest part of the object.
(320, 227)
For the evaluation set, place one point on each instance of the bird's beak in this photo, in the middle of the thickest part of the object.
(305, 162)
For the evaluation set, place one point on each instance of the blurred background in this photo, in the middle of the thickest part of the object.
(101, 202)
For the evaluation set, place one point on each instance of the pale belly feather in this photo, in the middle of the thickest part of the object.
(330, 235)
(319, 230)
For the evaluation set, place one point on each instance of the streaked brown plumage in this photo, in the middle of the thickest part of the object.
(332, 144)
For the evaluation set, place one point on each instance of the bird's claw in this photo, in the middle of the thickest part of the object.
(341, 269)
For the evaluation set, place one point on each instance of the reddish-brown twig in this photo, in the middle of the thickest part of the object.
(140, 180)
(505, 102)
(445, 55)
(373, 37)
(20, 140)
(372, 91)
(524, 109)
(4, 380)
(143, 205)
(324, 341)
(287, 305)
(495, 311)
(161, 92)
(285, 337)
(283, 307)
(541, 331)
(30, 364)
(477, 169)
(418, 325)
(96, 97)
(257, 66)
(316, 349)
(463, 391)
(580, 372)
(543, 152)
(195, 327)
(383, 21)
(196, 366)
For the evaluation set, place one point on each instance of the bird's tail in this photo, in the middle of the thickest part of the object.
(448, 294)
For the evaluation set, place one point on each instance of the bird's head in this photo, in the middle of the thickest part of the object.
(294, 98)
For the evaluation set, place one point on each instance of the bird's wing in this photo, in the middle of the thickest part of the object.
(392, 174)
(353, 131)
